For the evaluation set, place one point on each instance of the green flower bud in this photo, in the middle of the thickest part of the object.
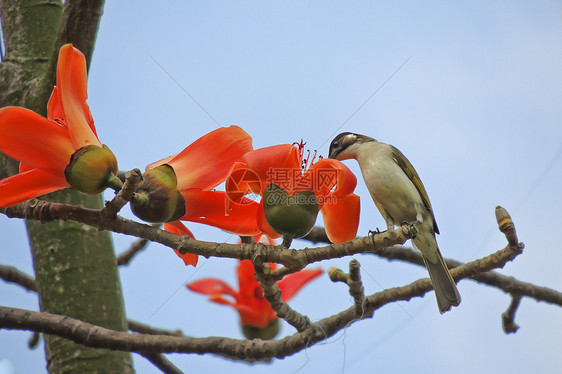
(292, 215)
(158, 199)
(90, 168)
(266, 333)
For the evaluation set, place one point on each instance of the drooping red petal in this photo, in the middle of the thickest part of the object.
(211, 286)
(327, 173)
(179, 228)
(29, 184)
(277, 164)
(34, 140)
(205, 163)
(208, 207)
(341, 218)
(72, 79)
(292, 283)
(253, 307)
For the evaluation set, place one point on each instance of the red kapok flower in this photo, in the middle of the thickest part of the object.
(282, 167)
(60, 151)
(255, 313)
(179, 187)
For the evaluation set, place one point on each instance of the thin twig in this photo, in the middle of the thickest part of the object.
(162, 363)
(146, 329)
(13, 275)
(140, 244)
(126, 257)
(508, 317)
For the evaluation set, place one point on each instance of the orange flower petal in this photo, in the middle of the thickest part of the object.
(247, 283)
(25, 167)
(292, 283)
(205, 163)
(211, 286)
(253, 315)
(179, 228)
(207, 207)
(54, 108)
(327, 173)
(34, 140)
(341, 218)
(161, 162)
(27, 185)
(72, 78)
(277, 164)
(240, 182)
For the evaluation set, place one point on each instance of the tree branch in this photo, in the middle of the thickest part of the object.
(45, 211)
(98, 337)
(260, 254)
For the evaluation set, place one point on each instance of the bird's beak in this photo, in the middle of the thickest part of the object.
(332, 153)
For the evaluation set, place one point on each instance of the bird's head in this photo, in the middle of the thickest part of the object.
(346, 145)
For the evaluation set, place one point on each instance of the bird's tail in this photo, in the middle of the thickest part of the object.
(445, 288)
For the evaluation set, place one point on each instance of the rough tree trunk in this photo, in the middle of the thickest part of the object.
(74, 264)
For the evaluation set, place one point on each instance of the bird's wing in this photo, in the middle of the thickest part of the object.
(409, 170)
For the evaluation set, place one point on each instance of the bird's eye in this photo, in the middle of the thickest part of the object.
(336, 144)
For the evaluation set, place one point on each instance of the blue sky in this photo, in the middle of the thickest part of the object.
(476, 109)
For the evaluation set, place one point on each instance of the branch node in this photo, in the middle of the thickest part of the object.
(272, 294)
(132, 179)
(356, 289)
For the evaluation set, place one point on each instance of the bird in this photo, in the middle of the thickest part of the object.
(400, 197)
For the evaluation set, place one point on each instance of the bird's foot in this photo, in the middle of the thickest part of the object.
(375, 232)
(412, 227)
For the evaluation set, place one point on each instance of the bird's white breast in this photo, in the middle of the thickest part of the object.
(389, 187)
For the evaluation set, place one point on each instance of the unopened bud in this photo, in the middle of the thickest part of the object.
(90, 168)
(158, 198)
